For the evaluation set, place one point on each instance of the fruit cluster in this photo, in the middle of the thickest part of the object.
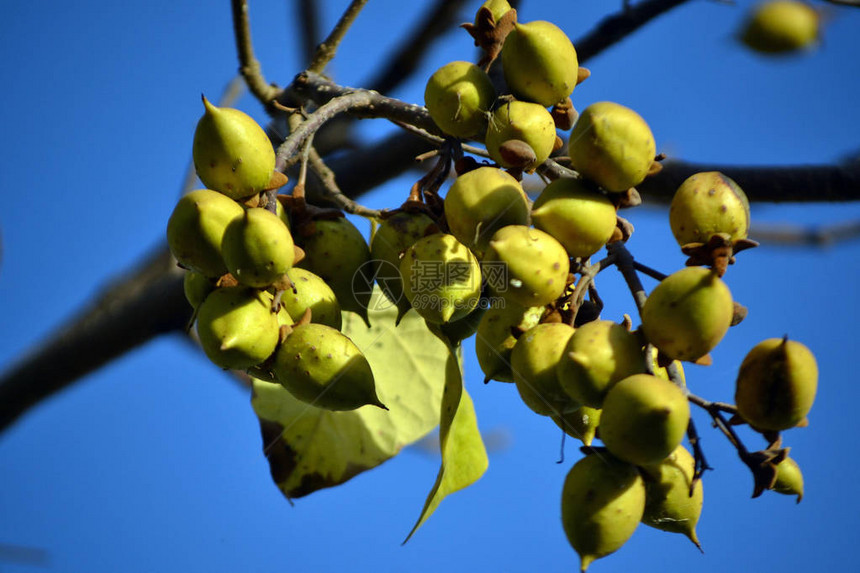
(269, 278)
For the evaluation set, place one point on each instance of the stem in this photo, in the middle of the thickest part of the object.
(249, 66)
(327, 50)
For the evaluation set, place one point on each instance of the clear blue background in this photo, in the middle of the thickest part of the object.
(154, 463)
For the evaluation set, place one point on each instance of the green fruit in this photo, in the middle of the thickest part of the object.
(688, 313)
(789, 479)
(706, 204)
(644, 419)
(441, 278)
(497, 8)
(319, 365)
(612, 145)
(232, 154)
(459, 96)
(526, 266)
(582, 220)
(195, 230)
(539, 63)
(237, 328)
(533, 362)
(599, 354)
(669, 503)
(311, 292)
(482, 201)
(776, 384)
(337, 252)
(781, 26)
(581, 423)
(459, 330)
(396, 234)
(602, 502)
(196, 287)
(521, 121)
(495, 339)
(257, 248)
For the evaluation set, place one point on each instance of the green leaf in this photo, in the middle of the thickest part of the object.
(309, 448)
(464, 458)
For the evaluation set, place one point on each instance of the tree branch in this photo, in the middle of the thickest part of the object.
(618, 26)
(148, 302)
(307, 27)
(406, 58)
(767, 184)
(249, 66)
(326, 51)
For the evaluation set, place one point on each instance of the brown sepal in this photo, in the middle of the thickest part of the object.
(582, 74)
(518, 153)
(252, 201)
(705, 360)
(299, 254)
(276, 181)
(718, 253)
(739, 313)
(656, 167)
(623, 230)
(763, 466)
(490, 35)
(564, 114)
(626, 199)
(226, 281)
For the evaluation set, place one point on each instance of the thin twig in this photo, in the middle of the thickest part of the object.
(654, 274)
(328, 48)
(333, 192)
(249, 66)
(402, 63)
(618, 26)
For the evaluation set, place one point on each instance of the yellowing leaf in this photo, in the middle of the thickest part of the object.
(464, 458)
(309, 448)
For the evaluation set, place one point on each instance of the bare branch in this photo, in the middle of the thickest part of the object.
(148, 302)
(618, 26)
(327, 50)
(437, 20)
(768, 184)
(307, 26)
(794, 236)
(249, 67)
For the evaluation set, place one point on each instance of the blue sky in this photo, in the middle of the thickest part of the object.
(154, 462)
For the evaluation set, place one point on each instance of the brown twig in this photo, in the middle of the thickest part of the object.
(402, 63)
(618, 26)
(249, 66)
(326, 51)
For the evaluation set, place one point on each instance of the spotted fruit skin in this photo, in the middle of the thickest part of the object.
(789, 479)
(482, 201)
(581, 219)
(602, 502)
(533, 362)
(539, 63)
(459, 96)
(644, 419)
(232, 154)
(495, 340)
(236, 327)
(776, 384)
(526, 266)
(391, 239)
(688, 313)
(311, 292)
(599, 354)
(782, 27)
(669, 503)
(706, 204)
(337, 252)
(581, 423)
(257, 248)
(196, 228)
(321, 366)
(523, 121)
(441, 278)
(612, 145)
